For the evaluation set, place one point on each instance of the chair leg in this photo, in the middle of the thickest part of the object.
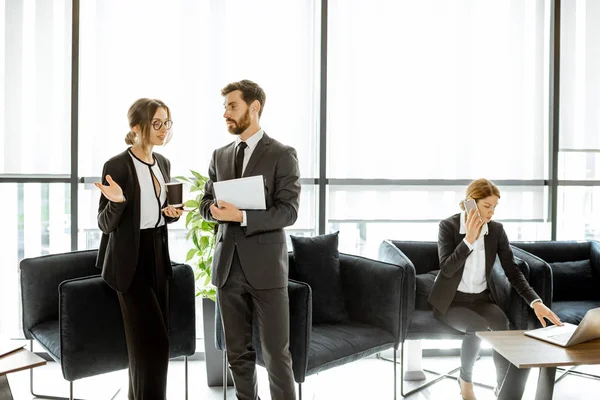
(401, 369)
(299, 391)
(186, 377)
(224, 374)
(43, 396)
(395, 373)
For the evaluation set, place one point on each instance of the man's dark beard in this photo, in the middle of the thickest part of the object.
(240, 126)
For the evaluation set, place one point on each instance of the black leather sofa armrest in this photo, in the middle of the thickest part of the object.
(300, 296)
(509, 300)
(389, 253)
(595, 258)
(91, 325)
(40, 278)
(378, 293)
(540, 279)
(540, 274)
(91, 329)
(300, 300)
(182, 311)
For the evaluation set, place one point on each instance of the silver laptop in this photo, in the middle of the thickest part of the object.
(569, 334)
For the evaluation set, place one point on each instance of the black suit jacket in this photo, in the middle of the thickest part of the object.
(453, 253)
(261, 245)
(120, 222)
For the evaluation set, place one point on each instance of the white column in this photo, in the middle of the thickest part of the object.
(413, 354)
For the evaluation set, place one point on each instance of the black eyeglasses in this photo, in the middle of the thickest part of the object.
(158, 124)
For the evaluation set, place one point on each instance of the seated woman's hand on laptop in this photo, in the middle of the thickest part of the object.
(541, 312)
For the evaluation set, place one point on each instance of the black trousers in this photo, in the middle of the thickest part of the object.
(470, 313)
(145, 316)
(238, 302)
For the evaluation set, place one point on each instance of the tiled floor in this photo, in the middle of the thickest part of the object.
(369, 378)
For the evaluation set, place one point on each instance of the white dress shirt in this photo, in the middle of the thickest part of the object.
(151, 215)
(473, 277)
(251, 142)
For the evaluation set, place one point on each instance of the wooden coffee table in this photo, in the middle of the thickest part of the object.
(16, 361)
(526, 352)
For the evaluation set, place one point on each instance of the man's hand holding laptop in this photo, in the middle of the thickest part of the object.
(541, 312)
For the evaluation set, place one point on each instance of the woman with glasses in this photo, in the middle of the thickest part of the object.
(462, 295)
(134, 253)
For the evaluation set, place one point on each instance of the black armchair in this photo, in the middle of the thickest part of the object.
(421, 259)
(76, 318)
(571, 277)
(375, 297)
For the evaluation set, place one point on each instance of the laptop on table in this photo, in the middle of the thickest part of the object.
(569, 334)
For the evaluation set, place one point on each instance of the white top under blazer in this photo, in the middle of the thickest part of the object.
(151, 215)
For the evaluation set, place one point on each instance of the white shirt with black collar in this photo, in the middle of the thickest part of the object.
(151, 215)
(252, 141)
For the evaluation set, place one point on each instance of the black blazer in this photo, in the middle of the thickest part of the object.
(453, 253)
(261, 245)
(120, 222)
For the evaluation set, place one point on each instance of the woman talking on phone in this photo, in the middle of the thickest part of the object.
(134, 253)
(468, 243)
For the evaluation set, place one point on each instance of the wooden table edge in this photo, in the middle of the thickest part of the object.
(25, 367)
(535, 365)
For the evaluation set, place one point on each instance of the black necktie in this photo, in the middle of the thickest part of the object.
(239, 159)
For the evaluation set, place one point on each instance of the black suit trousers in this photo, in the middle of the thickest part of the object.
(239, 303)
(145, 316)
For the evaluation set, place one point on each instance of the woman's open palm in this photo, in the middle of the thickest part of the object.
(112, 191)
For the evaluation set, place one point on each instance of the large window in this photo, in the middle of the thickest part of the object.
(579, 151)
(421, 90)
(422, 97)
(433, 89)
(579, 210)
(184, 52)
(36, 82)
(35, 87)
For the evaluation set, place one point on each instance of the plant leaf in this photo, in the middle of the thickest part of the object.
(191, 203)
(190, 254)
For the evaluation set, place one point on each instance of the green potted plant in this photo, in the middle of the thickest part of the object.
(201, 234)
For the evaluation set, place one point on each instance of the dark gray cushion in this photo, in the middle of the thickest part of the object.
(317, 262)
(572, 281)
(47, 334)
(424, 283)
(334, 344)
(424, 325)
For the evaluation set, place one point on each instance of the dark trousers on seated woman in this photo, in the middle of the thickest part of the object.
(470, 313)
(144, 307)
